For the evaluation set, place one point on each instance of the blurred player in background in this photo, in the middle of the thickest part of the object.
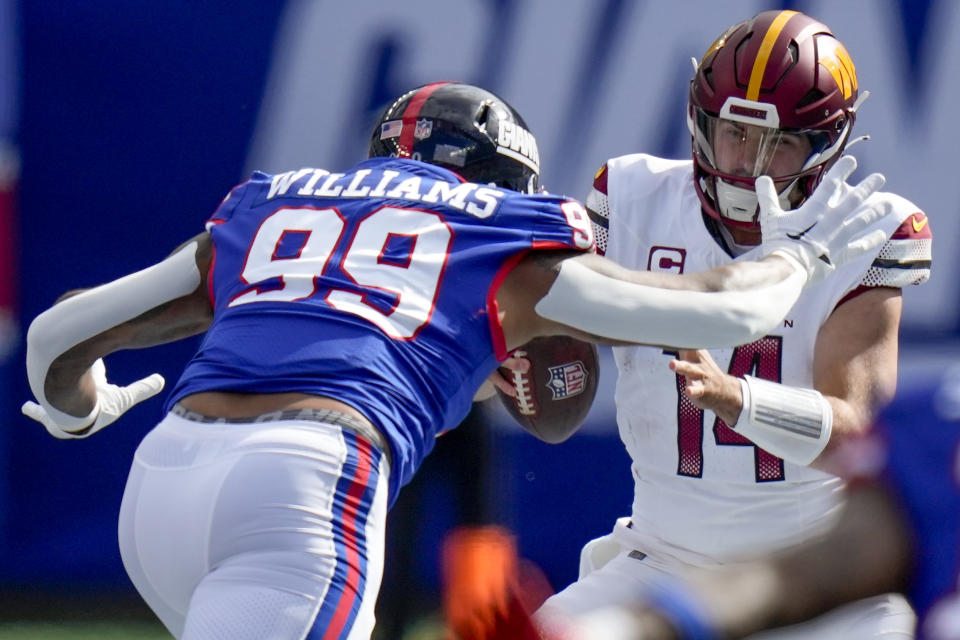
(899, 530)
(726, 446)
(9, 180)
(350, 318)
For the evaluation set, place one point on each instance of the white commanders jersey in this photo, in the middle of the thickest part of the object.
(703, 493)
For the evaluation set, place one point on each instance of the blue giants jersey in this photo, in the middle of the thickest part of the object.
(374, 287)
(921, 432)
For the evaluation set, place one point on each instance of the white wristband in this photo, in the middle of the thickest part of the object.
(790, 422)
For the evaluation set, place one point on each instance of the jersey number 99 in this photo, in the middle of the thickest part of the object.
(399, 252)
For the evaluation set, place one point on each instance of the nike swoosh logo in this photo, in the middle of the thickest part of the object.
(918, 226)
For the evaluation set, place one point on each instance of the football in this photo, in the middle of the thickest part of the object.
(556, 393)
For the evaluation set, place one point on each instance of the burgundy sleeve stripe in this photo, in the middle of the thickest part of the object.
(915, 227)
(853, 294)
(600, 180)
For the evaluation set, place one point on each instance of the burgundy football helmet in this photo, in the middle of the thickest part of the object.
(464, 128)
(774, 95)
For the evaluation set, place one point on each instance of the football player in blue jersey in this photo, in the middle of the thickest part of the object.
(349, 318)
(899, 531)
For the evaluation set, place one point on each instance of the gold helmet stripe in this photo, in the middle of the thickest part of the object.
(840, 66)
(763, 55)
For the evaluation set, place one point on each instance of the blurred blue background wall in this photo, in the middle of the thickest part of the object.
(130, 120)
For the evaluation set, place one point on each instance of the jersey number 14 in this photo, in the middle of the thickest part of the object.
(760, 359)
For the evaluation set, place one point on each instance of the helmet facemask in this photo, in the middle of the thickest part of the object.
(774, 95)
(732, 149)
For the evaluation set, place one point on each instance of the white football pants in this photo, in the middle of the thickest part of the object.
(256, 531)
(612, 575)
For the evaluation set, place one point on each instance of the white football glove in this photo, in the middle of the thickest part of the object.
(832, 227)
(112, 402)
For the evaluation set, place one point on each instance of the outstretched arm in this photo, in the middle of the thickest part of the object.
(591, 298)
(160, 304)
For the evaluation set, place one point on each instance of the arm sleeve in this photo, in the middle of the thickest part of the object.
(605, 306)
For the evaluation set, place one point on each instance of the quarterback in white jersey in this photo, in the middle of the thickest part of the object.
(729, 445)
(702, 490)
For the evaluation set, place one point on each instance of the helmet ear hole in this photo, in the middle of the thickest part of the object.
(483, 116)
(794, 52)
(812, 96)
(707, 75)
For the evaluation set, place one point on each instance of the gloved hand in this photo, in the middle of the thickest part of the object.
(112, 402)
(832, 227)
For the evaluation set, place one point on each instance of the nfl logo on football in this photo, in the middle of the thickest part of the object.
(567, 380)
(423, 129)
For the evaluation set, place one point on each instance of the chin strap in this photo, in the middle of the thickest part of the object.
(741, 204)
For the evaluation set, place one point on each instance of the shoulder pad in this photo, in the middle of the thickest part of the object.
(905, 258)
(598, 209)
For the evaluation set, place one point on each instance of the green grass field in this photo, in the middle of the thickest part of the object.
(427, 629)
(82, 631)
(37, 613)
(34, 612)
